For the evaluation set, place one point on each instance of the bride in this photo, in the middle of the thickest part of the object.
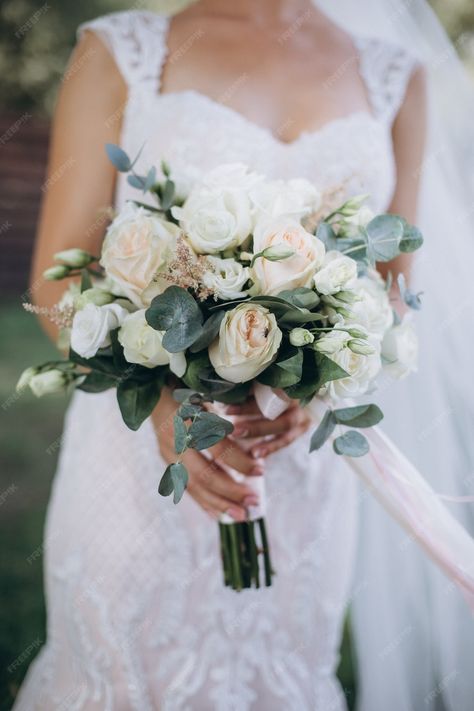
(137, 614)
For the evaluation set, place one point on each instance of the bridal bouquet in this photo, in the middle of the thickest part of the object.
(241, 285)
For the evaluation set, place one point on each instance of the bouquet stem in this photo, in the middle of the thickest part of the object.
(242, 547)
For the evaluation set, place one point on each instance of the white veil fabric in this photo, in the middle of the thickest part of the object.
(414, 635)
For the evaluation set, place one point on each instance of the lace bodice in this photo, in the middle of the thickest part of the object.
(194, 132)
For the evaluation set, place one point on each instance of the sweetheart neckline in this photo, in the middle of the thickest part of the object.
(263, 130)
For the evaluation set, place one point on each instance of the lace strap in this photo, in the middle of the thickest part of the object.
(386, 69)
(137, 42)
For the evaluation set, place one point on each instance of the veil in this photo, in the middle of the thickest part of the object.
(414, 635)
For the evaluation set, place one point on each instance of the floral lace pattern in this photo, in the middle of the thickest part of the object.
(138, 618)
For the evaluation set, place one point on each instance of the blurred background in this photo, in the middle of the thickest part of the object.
(33, 55)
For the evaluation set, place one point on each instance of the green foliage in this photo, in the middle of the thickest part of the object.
(176, 312)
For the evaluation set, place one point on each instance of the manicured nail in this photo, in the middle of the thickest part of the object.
(240, 431)
(257, 470)
(259, 452)
(251, 500)
(235, 513)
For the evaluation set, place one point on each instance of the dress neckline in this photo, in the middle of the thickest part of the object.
(266, 131)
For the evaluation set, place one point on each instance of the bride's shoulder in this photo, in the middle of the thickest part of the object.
(384, 54)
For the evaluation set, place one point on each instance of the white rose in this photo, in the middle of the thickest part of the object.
(277, 198)
(91, 327)
(50, 381)
(271, 277)
(228, 278)
(143, 345)
(400, 349)
(247, 343)
(138, 246)
(373, 311)
(362, 368)
(215, 218)
(337, 272)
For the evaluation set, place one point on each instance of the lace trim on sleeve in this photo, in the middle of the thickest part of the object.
(386, 70)
(137, 42)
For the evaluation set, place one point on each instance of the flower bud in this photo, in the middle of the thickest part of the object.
(353, 205)
(301, 337)
(57, 272)
(348, 297)
(357, 332)
(361, 347)
(25, 378)
(344, 312)
(75, 258)
(331, 342)
(50, 381)
(96, 296)
(277, 252)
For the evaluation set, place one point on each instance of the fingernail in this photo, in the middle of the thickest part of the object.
(235, 513)
(257, 471)
(259, 452)
(240, 431)
(251, 500)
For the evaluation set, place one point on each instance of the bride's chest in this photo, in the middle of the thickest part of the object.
(194, 133)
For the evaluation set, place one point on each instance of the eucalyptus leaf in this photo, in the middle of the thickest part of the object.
(179, 476)
(327, 236)
(136, 181)
(183, 394)
(118, 158)
(150, 179)
(412, 239)
(166, 485)
(209, 332)
(176, 312)
(180, 434)
(384, 234)
(359, 416)
(167, 195)
(302, 297)
(208, 430)
(323, 431)
(188, 410)
(137, 400)
(411, 299)
(351, 444)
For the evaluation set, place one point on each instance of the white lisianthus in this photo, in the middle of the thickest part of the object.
(59, 271)
(338, 272)
(91, 327)
(270, 277)
(74, 257)
(362, 368)
(301, 337)
(49, 381)
(292, 198)
(227, 279)
(137, 248)
(216, 216)
(247, 343)
(400, 349)
(143, 345)
(373, 310)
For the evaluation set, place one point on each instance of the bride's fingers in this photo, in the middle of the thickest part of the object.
(264, 427)
(216, 505)
(249, 407)
(229, 453)
(281, 441)
(207, 475)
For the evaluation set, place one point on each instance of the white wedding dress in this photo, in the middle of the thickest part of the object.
(138, 617)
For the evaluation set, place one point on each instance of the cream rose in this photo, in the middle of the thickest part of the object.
(247, 343)
(400, 349)
(271, 277)
(91, 327)
(277, 198)
(227, 279)
(337, 272)
(215, 219)
(137, 247)
(143, 345)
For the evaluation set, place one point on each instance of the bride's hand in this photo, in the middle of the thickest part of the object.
(209, 485)
(290, 425)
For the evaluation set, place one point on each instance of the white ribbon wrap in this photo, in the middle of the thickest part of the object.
(404, 493)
